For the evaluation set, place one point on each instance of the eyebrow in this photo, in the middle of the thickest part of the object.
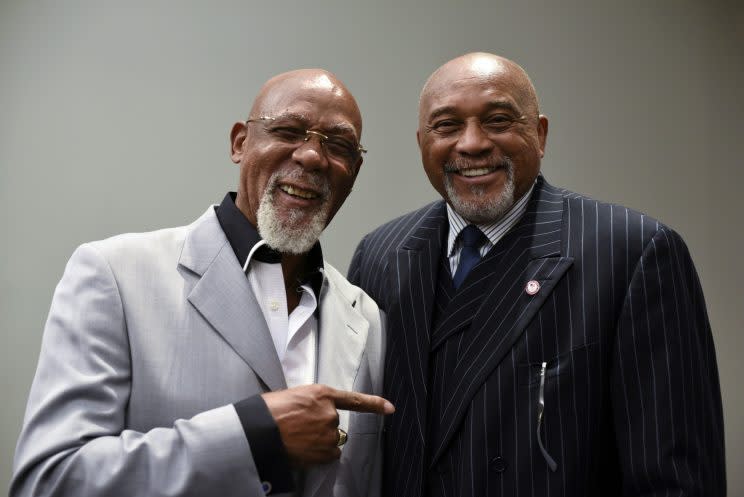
(337, 128)
(342, 128)
(495, 104)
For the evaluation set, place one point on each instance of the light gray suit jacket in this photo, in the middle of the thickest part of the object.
(150, 339)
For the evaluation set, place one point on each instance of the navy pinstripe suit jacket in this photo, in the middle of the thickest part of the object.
(631, 393)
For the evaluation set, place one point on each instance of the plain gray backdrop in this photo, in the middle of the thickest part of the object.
(114, 117)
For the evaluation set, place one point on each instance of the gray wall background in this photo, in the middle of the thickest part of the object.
(114, 117)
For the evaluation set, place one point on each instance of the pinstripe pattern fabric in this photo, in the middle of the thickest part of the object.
(632, 400)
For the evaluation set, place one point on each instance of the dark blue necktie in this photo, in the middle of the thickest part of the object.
(472, 239)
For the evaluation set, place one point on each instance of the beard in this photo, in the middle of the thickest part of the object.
(484, 208)
(296, 230)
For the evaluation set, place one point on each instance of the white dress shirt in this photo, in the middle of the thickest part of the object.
(295, 334)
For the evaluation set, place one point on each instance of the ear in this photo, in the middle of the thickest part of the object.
(237, 137)
(357, 167)
(542, 133)
(418, 137)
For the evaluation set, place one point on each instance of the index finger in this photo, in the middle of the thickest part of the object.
(361, 402)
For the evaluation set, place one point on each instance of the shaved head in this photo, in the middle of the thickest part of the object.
(483, 66)
(481, 134)
(296, 168)
(273, 96)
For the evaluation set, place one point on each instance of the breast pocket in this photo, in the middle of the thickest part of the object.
(562, 392)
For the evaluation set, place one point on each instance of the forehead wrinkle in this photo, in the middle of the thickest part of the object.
(291, 115)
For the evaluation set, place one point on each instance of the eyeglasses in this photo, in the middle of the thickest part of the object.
(291, 131)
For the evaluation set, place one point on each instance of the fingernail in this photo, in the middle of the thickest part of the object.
(389, 408)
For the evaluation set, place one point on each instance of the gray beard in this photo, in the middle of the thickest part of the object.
(484, 209)
(294, 233)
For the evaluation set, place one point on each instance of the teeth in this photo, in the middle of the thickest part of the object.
(298, 192)
(476, 172)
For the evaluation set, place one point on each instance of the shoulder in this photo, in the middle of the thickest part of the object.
(393, 233)
(140, 244)
(582, 211)
(615, 227)
(144, 250)
(352, 294)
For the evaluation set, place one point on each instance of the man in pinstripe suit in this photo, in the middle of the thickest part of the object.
(539, 342)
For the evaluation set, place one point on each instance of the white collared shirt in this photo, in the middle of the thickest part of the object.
(494, 231)
(295, 335)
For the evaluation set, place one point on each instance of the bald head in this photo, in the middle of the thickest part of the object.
(282, 89)
(299, 154)
(485, 67)
(481, 135)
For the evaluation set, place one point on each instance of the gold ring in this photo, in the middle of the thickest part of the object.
(342, 437)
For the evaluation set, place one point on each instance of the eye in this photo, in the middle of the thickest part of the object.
(445, 126)
(340, 147)
(499, 122)
(289, 133)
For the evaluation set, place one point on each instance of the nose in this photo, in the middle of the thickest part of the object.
(473, 140)
(310, 152)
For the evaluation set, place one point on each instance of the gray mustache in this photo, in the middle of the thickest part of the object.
(313, 179)
(458, 164)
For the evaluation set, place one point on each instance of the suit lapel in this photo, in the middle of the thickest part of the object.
(223, 296)
(341, 342)
(496, 305)
(414, 275)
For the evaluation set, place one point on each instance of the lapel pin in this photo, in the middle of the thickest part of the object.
(532, 287)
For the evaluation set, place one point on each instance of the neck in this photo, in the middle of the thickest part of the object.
(293, 267)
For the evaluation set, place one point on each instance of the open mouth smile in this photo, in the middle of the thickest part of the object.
(297, 192)
(475, 172)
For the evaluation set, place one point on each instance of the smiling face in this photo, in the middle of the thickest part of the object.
(480, 135)
(290, 188)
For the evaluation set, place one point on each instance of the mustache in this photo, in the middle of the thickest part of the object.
(315, 180)
(460, 163)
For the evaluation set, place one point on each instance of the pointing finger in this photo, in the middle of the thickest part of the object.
(360, 402)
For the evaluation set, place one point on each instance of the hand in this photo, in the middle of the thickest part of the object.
(308, 420)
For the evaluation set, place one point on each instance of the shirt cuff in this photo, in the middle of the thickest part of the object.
(267, 448)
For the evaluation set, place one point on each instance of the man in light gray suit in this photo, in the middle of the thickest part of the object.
(224, 357)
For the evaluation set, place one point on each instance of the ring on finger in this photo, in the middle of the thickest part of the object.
(342, 437)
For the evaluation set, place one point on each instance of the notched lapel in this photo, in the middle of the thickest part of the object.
(414, 272)
(223, 296)
(341, 341)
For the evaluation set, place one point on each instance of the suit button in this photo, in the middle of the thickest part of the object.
(498, 464)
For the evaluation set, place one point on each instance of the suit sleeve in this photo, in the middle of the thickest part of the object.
(74, 439)
(666, 396)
